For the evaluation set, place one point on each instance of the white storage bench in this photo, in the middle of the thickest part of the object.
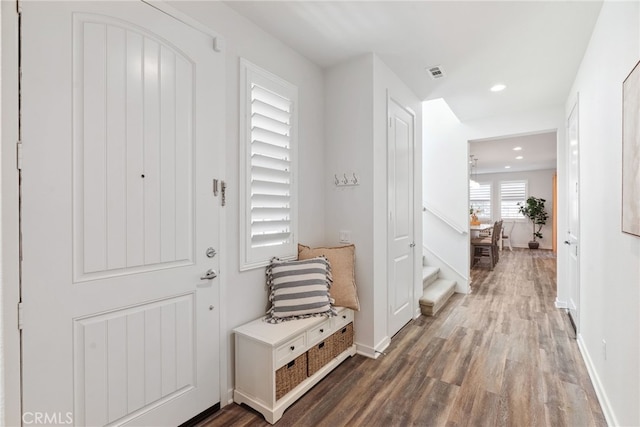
(278, 363)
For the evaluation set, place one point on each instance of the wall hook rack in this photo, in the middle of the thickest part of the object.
(346, 179)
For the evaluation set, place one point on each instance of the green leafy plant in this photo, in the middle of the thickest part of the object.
(533, 209)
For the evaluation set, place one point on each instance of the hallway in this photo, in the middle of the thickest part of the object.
(501, 356)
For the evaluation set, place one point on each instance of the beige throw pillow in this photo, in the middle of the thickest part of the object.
(342, 260)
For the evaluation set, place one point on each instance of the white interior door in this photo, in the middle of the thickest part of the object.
(122, 114)
(400, 192)
(573, 234)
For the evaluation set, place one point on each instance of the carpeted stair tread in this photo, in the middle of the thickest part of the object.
(436, 296)
(429, 275)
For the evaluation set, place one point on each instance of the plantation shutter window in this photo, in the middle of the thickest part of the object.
(512, 193)
(480, 200)
(268, 138)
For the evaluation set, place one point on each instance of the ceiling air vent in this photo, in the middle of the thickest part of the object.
(435, 72)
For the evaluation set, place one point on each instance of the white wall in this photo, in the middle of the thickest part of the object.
(445, 232)
(610, 260)
(245, 296)
(539, 184)
(356, 141)
(349, 148)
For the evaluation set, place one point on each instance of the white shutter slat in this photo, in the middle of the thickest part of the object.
(270, 201)
(269, 137)
(263, 214)
(271, 98)
(270, 150)
(264, 227)
(270, 124)
(267, 174)
(270, 162)
(267, 110)
(268, 187)
(270, 239)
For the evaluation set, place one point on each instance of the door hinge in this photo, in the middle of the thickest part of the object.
(19, 155)
(20, 316)
(215, 187)
(223, 192)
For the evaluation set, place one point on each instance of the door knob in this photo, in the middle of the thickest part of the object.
(210, 274)
(566, 242)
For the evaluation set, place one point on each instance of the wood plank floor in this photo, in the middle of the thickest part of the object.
(500, 356)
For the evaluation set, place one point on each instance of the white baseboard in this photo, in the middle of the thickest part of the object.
(561, 304)
(597, 384)
(373, 352)
(229, 398)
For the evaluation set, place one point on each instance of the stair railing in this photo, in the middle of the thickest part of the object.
(442, 217)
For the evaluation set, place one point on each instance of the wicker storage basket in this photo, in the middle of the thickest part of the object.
(290, 375)
(342, 340)
(319, 355)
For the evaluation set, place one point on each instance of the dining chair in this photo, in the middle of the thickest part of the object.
(486, 232)
(506, 234)
(487, 247)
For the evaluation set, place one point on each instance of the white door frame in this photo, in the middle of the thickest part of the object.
(572, 240)
(413, 307)
(9, 227)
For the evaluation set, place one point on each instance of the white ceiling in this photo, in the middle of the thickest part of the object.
(533, 47)
(538, 152)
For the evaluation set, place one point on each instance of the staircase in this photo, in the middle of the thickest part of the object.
(436, 291)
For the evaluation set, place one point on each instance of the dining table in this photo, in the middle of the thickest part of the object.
(475, 230)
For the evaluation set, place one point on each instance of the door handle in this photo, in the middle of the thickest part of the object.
(412, 245)
(210, 274)
(566, 242)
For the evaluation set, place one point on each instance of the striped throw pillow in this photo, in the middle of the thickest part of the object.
(299, 289)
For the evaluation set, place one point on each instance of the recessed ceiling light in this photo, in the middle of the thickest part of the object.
(507, 167)
(517, 148)
(498, 87)
(519, 157)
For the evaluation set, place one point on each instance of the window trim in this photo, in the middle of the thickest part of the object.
(251, 258)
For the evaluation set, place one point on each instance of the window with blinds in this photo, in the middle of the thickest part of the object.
(268, 138)
(480, 200)
(512, 193)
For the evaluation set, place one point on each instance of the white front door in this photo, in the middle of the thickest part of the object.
(400, 226)
(122, 114)
(573, 234)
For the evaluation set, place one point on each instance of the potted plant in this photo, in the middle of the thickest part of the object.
(533, 209)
